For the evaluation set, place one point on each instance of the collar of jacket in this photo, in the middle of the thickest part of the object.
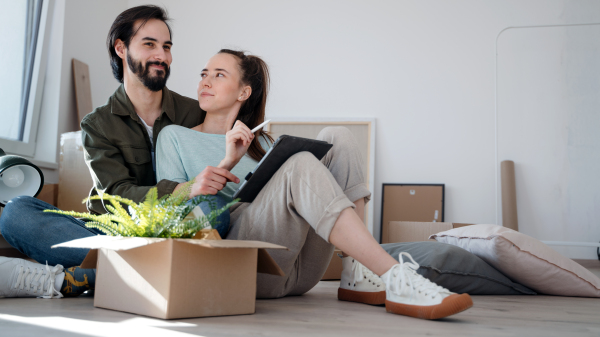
(122, 106)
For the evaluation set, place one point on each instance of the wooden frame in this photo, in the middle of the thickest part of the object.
(307, 126)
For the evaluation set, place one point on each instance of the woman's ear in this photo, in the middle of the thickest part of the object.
(246, 92)
(120, 48)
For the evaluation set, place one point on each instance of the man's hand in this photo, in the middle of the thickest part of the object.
(210, 181)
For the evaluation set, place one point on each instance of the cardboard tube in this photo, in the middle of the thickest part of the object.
(509, 195)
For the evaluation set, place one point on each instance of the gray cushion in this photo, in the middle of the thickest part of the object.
(457, 269)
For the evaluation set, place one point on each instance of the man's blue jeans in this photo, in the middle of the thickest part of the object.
(26, 227)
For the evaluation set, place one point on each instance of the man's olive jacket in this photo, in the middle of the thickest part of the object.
(117, 148)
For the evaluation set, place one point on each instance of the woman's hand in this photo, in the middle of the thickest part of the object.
(210, 181)
(237, 142)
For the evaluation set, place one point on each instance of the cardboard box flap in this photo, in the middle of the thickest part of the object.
(267, 265)
(110, 242)
(408, 231)
(232, 244)
(91, 259)
(457, 224)
(125, 243)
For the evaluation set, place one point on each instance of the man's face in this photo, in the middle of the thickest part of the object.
(149, 54)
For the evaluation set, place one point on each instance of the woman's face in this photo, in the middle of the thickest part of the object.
(219, 87)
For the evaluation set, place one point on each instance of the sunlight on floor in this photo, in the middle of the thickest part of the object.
(135, 326)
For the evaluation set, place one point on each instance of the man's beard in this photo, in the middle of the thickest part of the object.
(154, 83)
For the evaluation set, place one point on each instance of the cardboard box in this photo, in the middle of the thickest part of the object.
(334, 271)
(49, 194)
(3, 243)
(8, 251)
(407, 231)
(176, 278)
(74, 178)
(410, 202)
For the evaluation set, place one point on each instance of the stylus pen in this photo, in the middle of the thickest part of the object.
(260, 126)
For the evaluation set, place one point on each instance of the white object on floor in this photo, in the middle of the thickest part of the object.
(21, 278)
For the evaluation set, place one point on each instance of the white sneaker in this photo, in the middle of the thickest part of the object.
(359, 284)
(410, 294)
(21, 278)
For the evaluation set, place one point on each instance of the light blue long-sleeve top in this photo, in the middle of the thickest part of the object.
(182, 153)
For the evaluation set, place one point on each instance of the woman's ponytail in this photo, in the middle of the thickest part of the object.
(255, 73)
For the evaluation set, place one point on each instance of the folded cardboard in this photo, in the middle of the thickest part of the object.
(7, 250)
(74, 179)
(334, 271)
(415, 202)
(408, 231)
(49, 194)
(176, 278)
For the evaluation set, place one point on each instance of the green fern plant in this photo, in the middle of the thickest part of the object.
(164, 217)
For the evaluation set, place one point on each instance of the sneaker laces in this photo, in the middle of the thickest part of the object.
(33, 281)
(406, 275)
(361, 272)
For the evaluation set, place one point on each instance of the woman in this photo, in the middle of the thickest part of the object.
(307, 206)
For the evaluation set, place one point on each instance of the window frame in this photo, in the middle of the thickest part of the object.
(26, 147)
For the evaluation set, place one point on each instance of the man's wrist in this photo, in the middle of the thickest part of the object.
(179, 186)
(165, 187)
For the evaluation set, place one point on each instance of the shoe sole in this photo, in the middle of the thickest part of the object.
(373, 298)
(450, 305)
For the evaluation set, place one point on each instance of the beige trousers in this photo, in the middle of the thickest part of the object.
(298, 208)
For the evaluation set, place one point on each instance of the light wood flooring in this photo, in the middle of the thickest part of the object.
(317, 313)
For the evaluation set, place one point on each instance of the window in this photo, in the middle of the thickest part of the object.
(23, 24)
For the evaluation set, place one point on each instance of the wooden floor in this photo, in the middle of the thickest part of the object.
(317, 313)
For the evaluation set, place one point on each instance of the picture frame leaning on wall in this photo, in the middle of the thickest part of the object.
(362, 128)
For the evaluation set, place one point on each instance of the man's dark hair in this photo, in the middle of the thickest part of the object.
(123, 29)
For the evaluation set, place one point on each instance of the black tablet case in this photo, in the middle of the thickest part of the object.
(283, 148)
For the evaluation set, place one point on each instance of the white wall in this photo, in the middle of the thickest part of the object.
(424, 69)
(548, 122)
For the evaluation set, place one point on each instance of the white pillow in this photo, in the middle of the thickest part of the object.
(524, 260)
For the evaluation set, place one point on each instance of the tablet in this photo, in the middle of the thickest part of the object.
(283, 148)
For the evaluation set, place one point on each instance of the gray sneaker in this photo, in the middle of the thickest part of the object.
(21, 278)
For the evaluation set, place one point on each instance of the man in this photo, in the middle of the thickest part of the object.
(119, 140)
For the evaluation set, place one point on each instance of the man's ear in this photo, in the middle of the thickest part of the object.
(120, 48)
(246, 92)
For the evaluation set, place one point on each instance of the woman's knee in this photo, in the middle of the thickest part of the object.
(301, 161)
(341, 138)
(335, 134)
